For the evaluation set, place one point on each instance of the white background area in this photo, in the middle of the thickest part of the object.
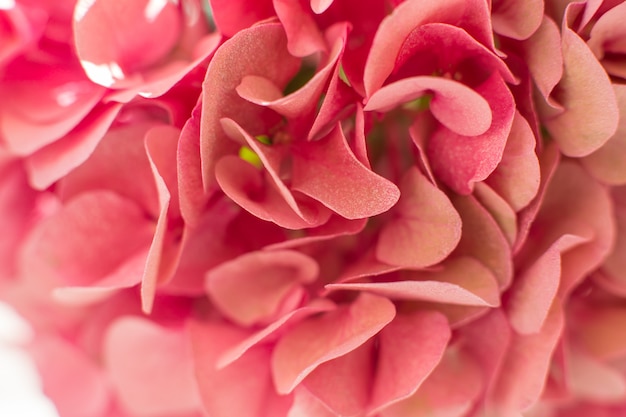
(20, 386)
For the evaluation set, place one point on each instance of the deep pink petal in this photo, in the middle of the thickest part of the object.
(328, 171)
(133, 346)
(591, 114)
(318, 340)
(232, 16)
(454, 105)
(302, 31)
(426, 230)
(460, 161)
(251, 288)
(462, 281)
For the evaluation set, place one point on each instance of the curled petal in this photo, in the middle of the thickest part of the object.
(516, 19)
(427, 227)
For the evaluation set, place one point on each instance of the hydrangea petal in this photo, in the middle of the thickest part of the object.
(318, 340)
(304, 36)
(427, 227)
(516, 20)
(232, 16)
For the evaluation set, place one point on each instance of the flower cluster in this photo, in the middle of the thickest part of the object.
(290, 208)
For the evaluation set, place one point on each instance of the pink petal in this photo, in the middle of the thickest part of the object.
(524, 372)
(499, 209)
(244, 388)
(607, 38)
(462, 281)
(161, 144)
(591, 113)
(533, 291)
(328, 171)
(461, 161)
(302, 31)
(320, 6)
(606, 163)
(53, 162)
(133, 347)
(307, 405)
(518, 157)
(593, 380)
(516, 20)
(318, 340)
(411, 346)
(70, 378)
(250, 289)
(73, 246)
(454, 105)
(593, 329)
(232, 16)
(483, 240)
(263, 46)
(395, 28)
(426, 230)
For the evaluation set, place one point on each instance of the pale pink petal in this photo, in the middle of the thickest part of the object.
(499, 209)
(524, 372)
(449, 391)
(161, 144)
(263, 46)
(250, 289)
(133, 348)
(307, 405)
(461, 161)
(52, 162)
(453, 104)
(328, 171)
(591, 114)
(73, 246)
(483, 239)
(606, 163)
(70, 378)
(395, 28)
(426, 230)
(410, 347)
(515, 19)
(462, 281)
(232, 16)
(318, 340)
(516, 178)
(534, 290)
(244, 388)
(593, 380)
(320, 6)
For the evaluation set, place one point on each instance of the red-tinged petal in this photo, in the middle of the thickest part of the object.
(133, 348)
(161, 143)
(263, 46)
(591, 114)
(449, 391)
(119, 164)
(115, 40)
(607, 38)
(410, 347)
(533, 291)
(543, 54)
(73, 246)
(463, 281)
(344, 383)
(473, 16)
(515, 19)
(318, 340)
(518, 157)
(71, 379)
(426, 230)
(456, 106)
(524, 372)
(590, 379)
(251, 288)
(232, 16)
(244, 388)
(302, 31)
(606, 163)
(482, 239)
(53, 162)
(47, 102)
(329, 172)
(499, 209)
(460, 161)
(284, 322)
